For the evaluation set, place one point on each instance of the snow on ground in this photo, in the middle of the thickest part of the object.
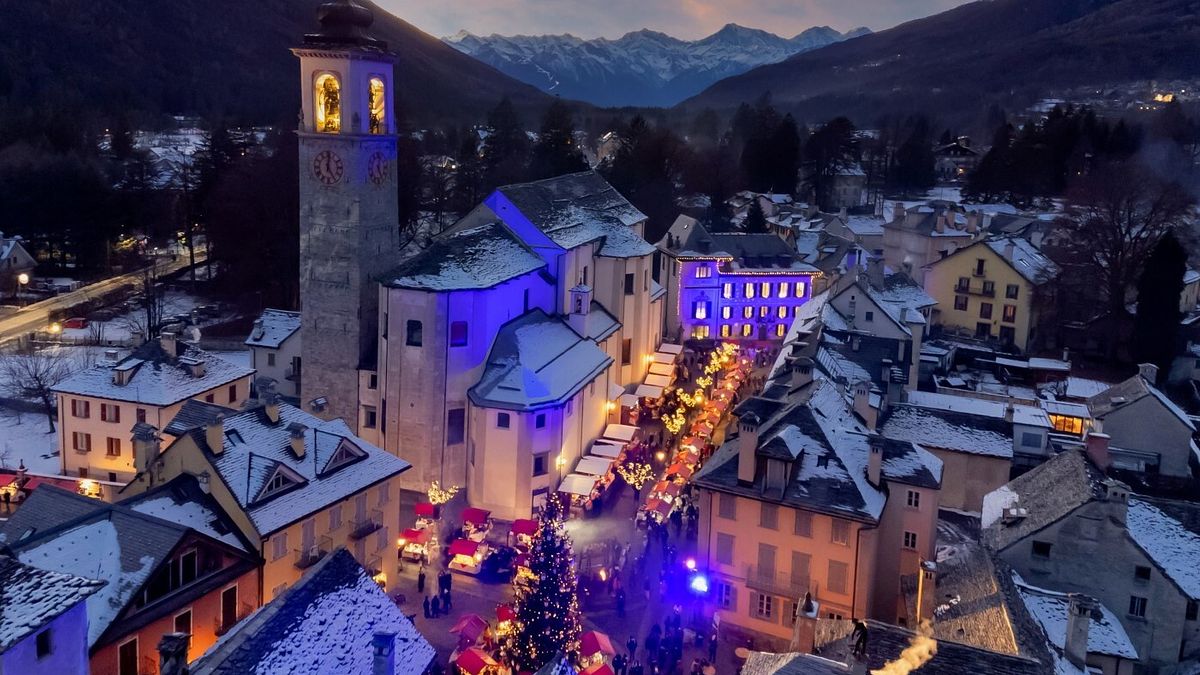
(24, 437)
(121, 326)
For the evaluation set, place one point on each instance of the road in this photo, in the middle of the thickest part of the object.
(37, 315)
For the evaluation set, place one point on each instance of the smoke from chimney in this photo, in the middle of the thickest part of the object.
(920, 650)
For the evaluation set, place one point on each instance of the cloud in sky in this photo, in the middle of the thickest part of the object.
(687, 19)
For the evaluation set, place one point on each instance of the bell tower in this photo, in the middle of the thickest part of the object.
(348, 204)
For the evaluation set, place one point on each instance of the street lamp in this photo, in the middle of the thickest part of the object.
(22, 280)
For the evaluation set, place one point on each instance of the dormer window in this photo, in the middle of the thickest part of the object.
(281, 481)
(346, 453)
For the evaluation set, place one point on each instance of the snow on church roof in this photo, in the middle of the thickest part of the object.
(33, 597)
(1173, 547)
(537, 360)
(467, 258)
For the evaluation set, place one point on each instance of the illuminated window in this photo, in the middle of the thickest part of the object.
(783, 289)
(1010, 313)
(726, 312)
(700, 332)
(727, 291)
(796, 310)
(782, 313)
(724, 330)
(749, 290)
(327, 104)
(700, 309)
(748, 312)
(780, 330)
(747, 329)
(766, 289)
(377, 102)
(800, 288)
(763, 312)
(704, 272)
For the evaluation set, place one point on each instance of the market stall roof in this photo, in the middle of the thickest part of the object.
(661, 369)
(474, 661)
(621, 432)
(594, 642)
(680, 469)
(602, 449)
(521, 560)
(427, 510)
(464, 547)
(505, 612)
(670, 348)
(658, 380)
(415, 536)
(659, 506)
(476, 516)
(660, 357)
(601, 668)
(470, 627)
(615, 390)
(524, 526)
(593, 466)
(577, 484)
(648, 391)
(629, 400)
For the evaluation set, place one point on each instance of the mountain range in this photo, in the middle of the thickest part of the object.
(1003, 52)
(642, 68)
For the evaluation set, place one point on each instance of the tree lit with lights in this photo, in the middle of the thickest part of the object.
(547, 620)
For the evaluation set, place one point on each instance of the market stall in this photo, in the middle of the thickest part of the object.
(523, 575)
(595, 648)
(475, 661)
(520, 535)
(623, 433)
(470, 628)
(592, 465)
(467, 556)
(476, 523)
(649, 391)
(603, 447)
(414, 544)
(427, 514)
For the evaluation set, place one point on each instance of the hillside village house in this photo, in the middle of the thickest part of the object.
(44, 626)
(915, 237)
(1149, 432)
(15, 260)
(1053, 524)
(98, 406)
(295, 486)
(954, 160)
(275, 352)
(172, 561)
(733, 286)
(806, 500)
(998, 288)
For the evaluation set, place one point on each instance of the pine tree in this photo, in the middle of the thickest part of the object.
(1156, 330)
(548, 610)
(756, 220)
(555, 153)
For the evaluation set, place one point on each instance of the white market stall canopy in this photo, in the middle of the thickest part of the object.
(629, 400)
(601, 448)
(648, 391)
(658, 380)
(615, 390)
(660, 357)
(621, 432)
(661, 369)
(578, 484)
(592, 465)
(670, 348)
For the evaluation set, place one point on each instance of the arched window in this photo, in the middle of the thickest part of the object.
(327, 104)
(377, 106)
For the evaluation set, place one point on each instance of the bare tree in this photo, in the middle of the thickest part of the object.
(31, 374)
(148, 319)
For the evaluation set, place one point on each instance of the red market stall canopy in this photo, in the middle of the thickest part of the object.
(601, 668)
(680, 469)
(414, 536)
(594, 642)
(666, 488)
(474, 661)
(426, 510)
(470, 627)
(505, 613)
(524, 526)
(658, 506)
(463, 547)
(476, 516)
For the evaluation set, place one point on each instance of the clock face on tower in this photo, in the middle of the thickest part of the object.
(377, 168)
(327, 167)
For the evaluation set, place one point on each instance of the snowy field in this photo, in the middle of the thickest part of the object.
(24, 437)
(122, 326)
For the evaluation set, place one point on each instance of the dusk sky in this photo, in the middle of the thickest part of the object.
(687, 19)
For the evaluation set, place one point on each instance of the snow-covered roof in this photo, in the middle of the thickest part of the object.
(157, 378)
(791, 663)
(273, 327)
(466, 258)
(254, 449)
(537, 360)
(1052, 610)
(1172, 546)
(1135, 388)
(1025, 258)
(1047, 493)
(1084, 388)
(1026, 415)
(324, 623)
(181, 501)
(31, 598)
(945, 430)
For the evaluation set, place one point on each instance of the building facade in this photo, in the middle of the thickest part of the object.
(48, 634)
(275, 351)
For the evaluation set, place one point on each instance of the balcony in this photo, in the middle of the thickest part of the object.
(776, 583)
(362, 526)
(221, 627)
(374, 565)
(307, 556)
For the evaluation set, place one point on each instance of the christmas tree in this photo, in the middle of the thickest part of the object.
(548, 609)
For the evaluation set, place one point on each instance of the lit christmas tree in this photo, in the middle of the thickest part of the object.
(548, 609)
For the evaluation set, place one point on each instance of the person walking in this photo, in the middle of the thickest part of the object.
(421, 580)
(621, 603)
(631, 645)
(435, 607)
(425, 606)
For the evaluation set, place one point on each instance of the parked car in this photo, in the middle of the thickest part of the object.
(75, 322)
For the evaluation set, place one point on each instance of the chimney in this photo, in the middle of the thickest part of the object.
(169, 343)
(1079, 620)
(264, 387)
(383, 652)
(941, 222)
(747, 446)
(1096, 446)
(296, 439)
(146, 446)
(844, 214)
(257, 332)
(172, 654)
(875, 460)
(927, 591)
(1010, 413)
(1149, 372)
(1116, 495)
(974, 221)
(581, 307)
(214, 434)
(898, 212)
(804, 630)
(862, 404)
(1010, 248)
(875, 271)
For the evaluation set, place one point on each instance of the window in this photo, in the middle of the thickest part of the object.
(458, 333)
(525, 300)
(763, 606)
(725, 330)
(81, 409)
(784, 287)
(373, 381)
(539, 465)
(83, 472)
(960, 303)
(503, 420)
(700, 332)
(726, 312)
(989, 288)
(803, 525)
(838, 574)
(763, 312)
(327, 104)
(412, 333)
(765, 289)
(796, 310)
(910, 541)
(127, 658)
(629, 279)
(110, 412)
(1031, 439)
(781, 312)
(727, 506)
(727, 291)
(726, 596)
(703, 272)
(113, 447)
(210, 399)
(749, 289)
(141, 414)
(1041, 549)
(383, 495)
(1011, 291)
(1141, 573)
(1010, 313)
(963, 285)
(279, 546)
(979, 267)
(81, 441)
(800, 288)
(369, 417)
(983, 330)
(700, 310)
(914, 499)
(768, 516)
(335, 517)
(840, 532)
(271, 359)
(232, 393)
(747, 312)
(869, 316)
(183, 622)
(44, 646)
(747, 329)
(780, 330)
(456, 423)
(1137, 606)
(724, 549)
(800, 568)
(1192, 611)
(539, 422)
(376, 106)
(985, 310)
(626, 351)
